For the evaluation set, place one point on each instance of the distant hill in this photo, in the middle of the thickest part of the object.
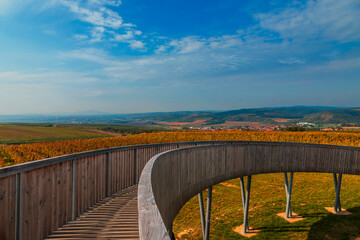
(345, 117)
(284, 115)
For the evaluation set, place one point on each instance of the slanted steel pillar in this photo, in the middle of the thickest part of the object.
(245, 196)
(205, 222)
(337, 183)
(288, 188)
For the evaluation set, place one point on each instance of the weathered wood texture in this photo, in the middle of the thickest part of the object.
(47, 191)
(7, 206)
(170, 179)
(114, 217)
(46, 200)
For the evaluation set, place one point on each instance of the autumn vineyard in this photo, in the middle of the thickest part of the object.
(15, 154)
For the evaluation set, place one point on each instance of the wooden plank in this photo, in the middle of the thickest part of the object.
(190, 170)
(7, 206)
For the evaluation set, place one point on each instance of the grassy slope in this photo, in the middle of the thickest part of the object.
(24, 134)
(311, 193)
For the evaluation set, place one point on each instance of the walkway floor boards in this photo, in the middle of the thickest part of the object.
(115, 217)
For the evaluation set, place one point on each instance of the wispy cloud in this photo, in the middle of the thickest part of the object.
(108, 25)
(324, 19)
(44, 77)
(100, 16)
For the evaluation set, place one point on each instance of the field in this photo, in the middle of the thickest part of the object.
(14, 154)
(18, 133)
(26, 133)
(311, 191)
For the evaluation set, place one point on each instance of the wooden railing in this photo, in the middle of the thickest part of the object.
(170, 179)
(38, 197)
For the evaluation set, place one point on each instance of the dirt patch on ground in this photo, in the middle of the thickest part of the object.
(281, 120)
(295, 217)
(250, 233)
(351, 128)
(239, 123)
(186, 231)
(332, 210)
(229, 185)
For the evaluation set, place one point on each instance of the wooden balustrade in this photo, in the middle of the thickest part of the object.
(170, 179)
(38, 197)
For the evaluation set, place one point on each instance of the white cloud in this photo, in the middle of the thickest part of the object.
(44, 77)
(327, 19)
(97, 34)
(105, 2)
(124, 37)
(134, 44)
(192, 44)
(80, 37)
(161, 49)
(129, 37)
(101, 16)
(225, 41)
(107, 23)
(187, 44)
(88, 54)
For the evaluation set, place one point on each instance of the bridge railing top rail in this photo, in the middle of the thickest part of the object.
(28, 166)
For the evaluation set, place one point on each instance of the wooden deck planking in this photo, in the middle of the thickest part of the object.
(113, 217)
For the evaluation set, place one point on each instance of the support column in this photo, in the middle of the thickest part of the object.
(288, 188)
(245, 201)
(205, 222)
(337, 184)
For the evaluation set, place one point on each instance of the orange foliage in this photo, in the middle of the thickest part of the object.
(15, 154)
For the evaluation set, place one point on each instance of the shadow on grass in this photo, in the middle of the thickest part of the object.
(337, 226)
(284, 229)
(329, 226)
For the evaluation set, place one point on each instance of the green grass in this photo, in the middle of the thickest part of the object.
(16, 133)
(311, 193)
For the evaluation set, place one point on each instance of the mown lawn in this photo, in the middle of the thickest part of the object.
(311, 193)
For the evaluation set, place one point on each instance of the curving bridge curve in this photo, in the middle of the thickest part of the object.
(171, 178)
(93, 194)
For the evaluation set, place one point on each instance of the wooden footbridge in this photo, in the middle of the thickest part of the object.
(136, 192)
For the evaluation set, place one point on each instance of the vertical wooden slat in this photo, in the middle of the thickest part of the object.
(8, 206)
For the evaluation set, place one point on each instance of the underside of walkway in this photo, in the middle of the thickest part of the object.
(115, 217)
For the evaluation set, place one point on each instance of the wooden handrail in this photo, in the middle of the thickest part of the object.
(171, 178)
(38, 197)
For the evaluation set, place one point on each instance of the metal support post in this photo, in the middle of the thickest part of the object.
(288, 188)
(245, 201)
(205, 222)
(337, 183)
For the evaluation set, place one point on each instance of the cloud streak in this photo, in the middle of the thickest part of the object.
(108, 25)
(324, 19)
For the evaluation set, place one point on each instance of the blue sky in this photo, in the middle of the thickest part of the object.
(63, 56)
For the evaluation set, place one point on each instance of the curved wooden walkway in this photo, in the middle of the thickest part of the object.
(115, 217)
